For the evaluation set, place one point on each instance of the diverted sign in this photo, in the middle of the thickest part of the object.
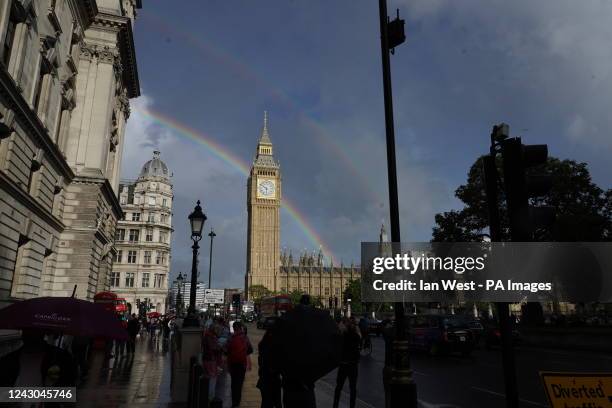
(214, 296)
(578, 390)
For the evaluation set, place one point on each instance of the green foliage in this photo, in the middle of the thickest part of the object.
(256, 292)
(584, 210)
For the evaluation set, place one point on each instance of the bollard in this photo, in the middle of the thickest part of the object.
(191, 382)
(203, 394)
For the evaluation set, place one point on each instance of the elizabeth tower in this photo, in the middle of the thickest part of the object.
(263, 207)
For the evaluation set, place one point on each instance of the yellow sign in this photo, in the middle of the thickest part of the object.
(578, 390)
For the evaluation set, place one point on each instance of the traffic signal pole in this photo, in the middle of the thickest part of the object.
(503, 308)
(402, 389)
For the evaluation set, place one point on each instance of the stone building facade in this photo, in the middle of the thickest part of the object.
(266, 265)
(67, 72)
(142, 238)
(308, 274)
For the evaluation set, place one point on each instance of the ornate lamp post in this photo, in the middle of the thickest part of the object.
(196, 221)
(179, 296)
(211, 235)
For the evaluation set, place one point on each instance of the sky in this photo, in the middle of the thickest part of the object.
(209, 69)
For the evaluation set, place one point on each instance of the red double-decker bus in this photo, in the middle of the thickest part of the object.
(111, 302)
(275, 305)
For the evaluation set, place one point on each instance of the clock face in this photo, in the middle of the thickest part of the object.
(266, 188)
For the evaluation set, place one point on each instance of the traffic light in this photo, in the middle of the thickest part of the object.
(330, 302)
(336, 302)
(236, 302)
(519, 186)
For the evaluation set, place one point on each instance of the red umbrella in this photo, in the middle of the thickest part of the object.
(153, 315)
(63, 315)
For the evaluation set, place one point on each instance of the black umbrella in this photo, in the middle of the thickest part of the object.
(308, 343)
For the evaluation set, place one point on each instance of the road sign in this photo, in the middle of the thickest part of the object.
(214, 296)
(578, 390)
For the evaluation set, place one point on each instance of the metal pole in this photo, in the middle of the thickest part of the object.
(503, 309)
(194, 277)
(402, 386)
(211, 235)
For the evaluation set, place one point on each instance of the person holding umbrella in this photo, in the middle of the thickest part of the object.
(133, 328)
(37, 364)
(308, 344)
(269, 382)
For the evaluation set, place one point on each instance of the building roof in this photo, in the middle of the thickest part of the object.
(155, 168)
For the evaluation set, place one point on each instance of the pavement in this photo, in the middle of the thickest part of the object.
(453, 381)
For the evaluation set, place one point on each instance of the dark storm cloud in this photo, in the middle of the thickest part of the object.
(542, 66)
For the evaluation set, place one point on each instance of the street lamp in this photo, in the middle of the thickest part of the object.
(211, 235)
(402, 389)
(196, 221)
(179, 296)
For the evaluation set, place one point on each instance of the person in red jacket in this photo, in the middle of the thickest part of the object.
(239, 350)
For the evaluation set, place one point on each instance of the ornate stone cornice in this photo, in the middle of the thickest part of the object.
(125, 43)
(84, 11)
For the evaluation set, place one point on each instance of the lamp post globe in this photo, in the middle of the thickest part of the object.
(196, 221)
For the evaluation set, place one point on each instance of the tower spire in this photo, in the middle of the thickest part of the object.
(265, 135)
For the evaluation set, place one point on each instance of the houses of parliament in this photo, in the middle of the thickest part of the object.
(266, 265)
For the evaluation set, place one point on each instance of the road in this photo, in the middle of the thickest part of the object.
(475, 381)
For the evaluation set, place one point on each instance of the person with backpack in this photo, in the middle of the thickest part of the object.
(239, 350)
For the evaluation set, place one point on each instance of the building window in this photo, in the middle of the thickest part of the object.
(120, 234)
(8, 41)
(149, 236)
(163, 237)
(151, 200)
(159, 280)
(151, 217)
(337, 291)
(119, 256)
(164, 219)
(147, 257)
(131, 257)
(134, 235)
(326, 291)
(165, 202)
(114, 279)
(136, 216)
(129, 279)
(160, 259)
(145, 280)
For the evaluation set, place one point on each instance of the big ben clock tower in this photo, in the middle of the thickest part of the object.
(263, 207)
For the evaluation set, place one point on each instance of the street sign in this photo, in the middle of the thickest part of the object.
(214, 296)
(578, 390)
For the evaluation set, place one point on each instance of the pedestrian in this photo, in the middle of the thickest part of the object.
(37, 364)
(120, 344)
(80, 351)
(238, 359)
(269, 382)
(211, 358)
(349, 361)
(133, 328)
(297, 392)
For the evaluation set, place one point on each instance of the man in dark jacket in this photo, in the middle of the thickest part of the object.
(269, 382)
(37, 364)
(349, 363)
(133, 328)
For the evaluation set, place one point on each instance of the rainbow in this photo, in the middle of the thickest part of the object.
(321, 135)
(237, 163)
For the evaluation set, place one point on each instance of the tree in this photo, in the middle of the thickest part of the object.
(295, 296)
(584, 210)
(256, 292)
(354, 290)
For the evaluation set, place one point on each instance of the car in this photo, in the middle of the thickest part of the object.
(441, 334)
(478, 330)
(375, 327)
(492, 336)
(266, 322)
